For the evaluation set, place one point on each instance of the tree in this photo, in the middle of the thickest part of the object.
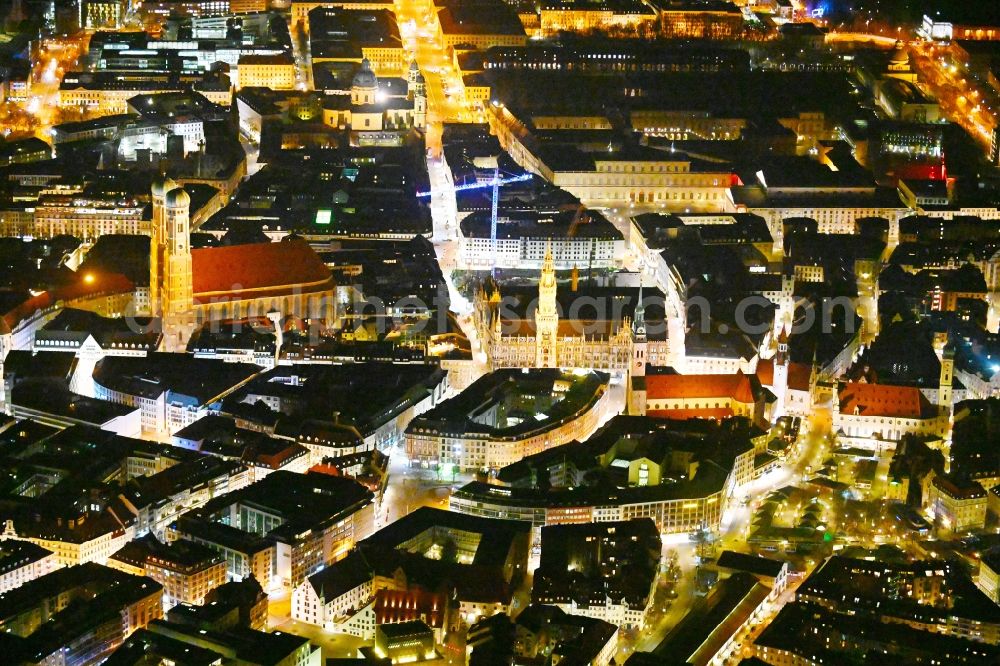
(449, 550)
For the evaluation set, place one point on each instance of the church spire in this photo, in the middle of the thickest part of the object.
(639, 323)
(548, 264)
(781, 358)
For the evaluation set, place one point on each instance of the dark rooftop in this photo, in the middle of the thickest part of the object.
(184, 377)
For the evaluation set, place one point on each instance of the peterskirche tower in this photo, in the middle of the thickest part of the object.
(170, 283)
(547, 315)
(780, 382)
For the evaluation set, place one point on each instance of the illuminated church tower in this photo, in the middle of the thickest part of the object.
(159, 191)
(416, 90)
(547, 315)
(780, 382)
(170, 287)
(419, 101)
(946, 406)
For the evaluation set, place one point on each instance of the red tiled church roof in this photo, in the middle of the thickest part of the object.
(740, 387)
(717, 413)
(593, 329)
(256, 267)
(884, 400)
(765, 371)
(799, 374)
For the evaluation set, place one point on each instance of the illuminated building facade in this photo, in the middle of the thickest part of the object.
(104, 13)
(23, 561)
(79, 615)
(276, 72)
(673, 512)
(86, 218)
(586, 16)
(972, 23)
(288, 526)
(301, 8)
(108, 93)
(581, 239)
(486, 439)
(618, 177)
(545, 339)
(187, 572)
(702, 20)
(611, 57)
(954, 505)
(584, 567)
(158, 10)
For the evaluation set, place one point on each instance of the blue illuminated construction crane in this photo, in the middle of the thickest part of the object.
(495, 182)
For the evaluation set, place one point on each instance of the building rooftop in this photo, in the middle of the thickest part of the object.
(495, 536)
(17, 554)
(276, 59)
(811, 632)
(358, 398)
(144, 646)
(696, 6)
(163, 638)
(198, 381)
(56, 400)
(236, 269)
(740, 387)
(884, 400)
(184, 557)
(76, 326)
(335, 32)
(557, 396)
(586, 636)
(300, 502)
(401, 630)
(727, 93)
(561, 225)
(593, 562)
(753, 564)
(136, 552)
(713, 619)
(959, 489)
(481, 18)
(877, 588)
(342, 577)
